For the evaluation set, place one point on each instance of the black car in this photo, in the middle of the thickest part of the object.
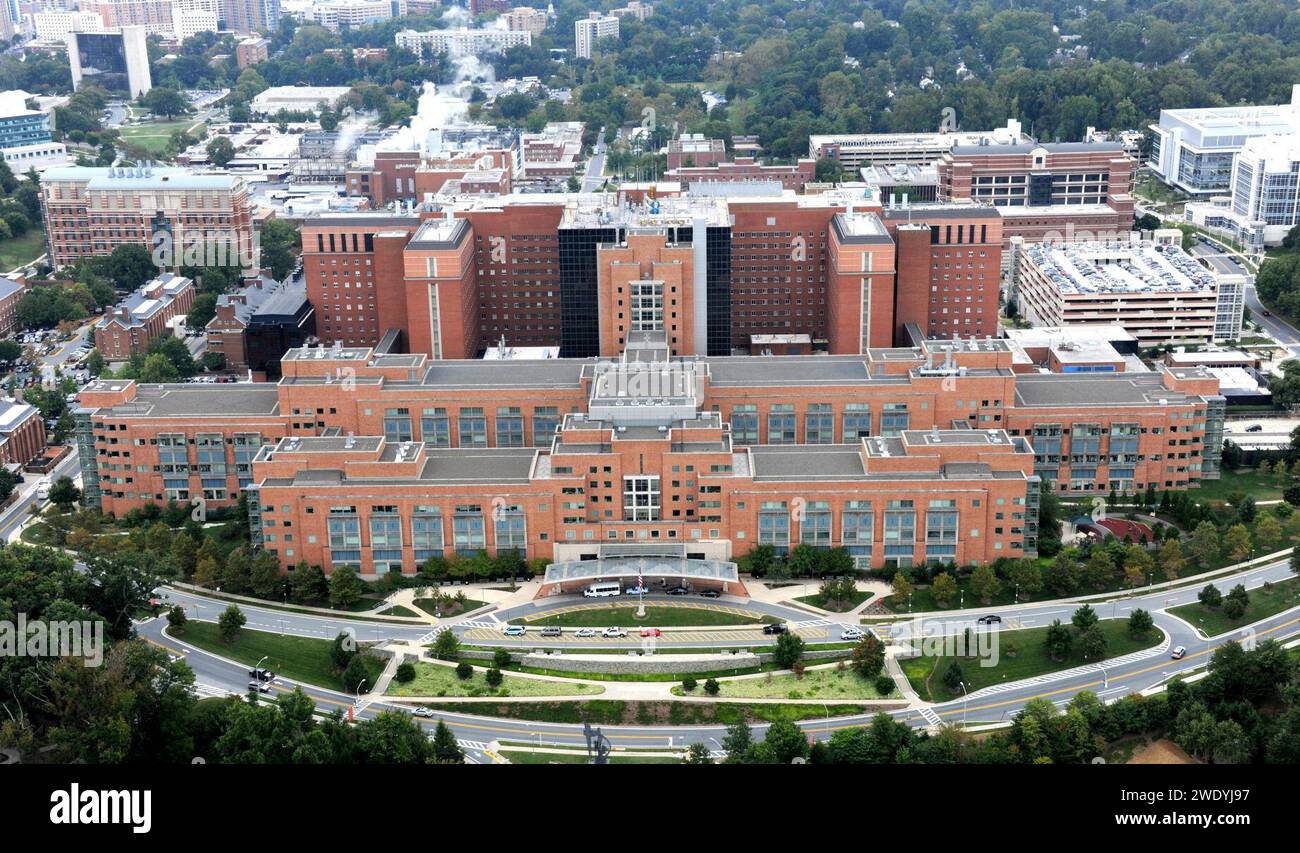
(710, 593)
(262, 674)
(776, 629)
(990, 619)
(676, 590)
(1254, 428)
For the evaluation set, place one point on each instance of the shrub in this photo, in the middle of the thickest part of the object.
(884, 684)
(493, 677)
(405, 673)
(689, 683)
(464, 671)
(711, 686)
(501, 658)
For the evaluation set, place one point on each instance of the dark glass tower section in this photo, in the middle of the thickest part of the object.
(579, 300)
(719, 289)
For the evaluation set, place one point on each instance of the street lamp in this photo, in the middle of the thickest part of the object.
(358, 690)
(257, 670)
(965, 698)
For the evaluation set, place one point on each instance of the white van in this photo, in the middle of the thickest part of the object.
(603, 590)
(43, 490)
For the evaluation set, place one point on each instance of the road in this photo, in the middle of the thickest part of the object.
(593, 178)
(20, 510)
(1109, 679)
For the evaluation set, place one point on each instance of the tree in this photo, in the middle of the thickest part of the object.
(1084, 617)
(130, 266)
(308, 584)
(176, 619)
(1268, 531)
(446, 646)
(737, 741)
(446, 749)
(493, 677)
(902, 586)
(698, 754)
(1171, 559)
(943, 588)
(464, 671)
(64, 493)
(1092, 643)
(356, 674)
(1140, 623)
(1210, 596)
(343, 650)
(1233, 608)
(221, 151)
(786, 741)
(1137, 565)
(165, 101)
(868, 657)
(280, 242)
(953, 676)
(1204, 544)
(711, 686)
(984, 583)
(203, 310)
(1295, 561)
(1058, 640)
(1237, 542)
(229, 623)
(1099, 569)
(788, 650)
(345, 588)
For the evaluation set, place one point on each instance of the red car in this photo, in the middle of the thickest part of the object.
(651, 632)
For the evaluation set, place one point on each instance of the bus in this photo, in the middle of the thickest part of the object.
(603, 590)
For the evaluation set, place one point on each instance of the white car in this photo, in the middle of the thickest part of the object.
(613, 633)
(585, 632)
(515, 630)
(851, 634)
(422, 711)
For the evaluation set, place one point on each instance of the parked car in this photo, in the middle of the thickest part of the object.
(710, 593)
(637, 590)
(551, 631)
(851, 634)
(676, 590)
(515, 630)
(1255, 428)
(988, 619)
(778, 628)
(1178, 653)
(613, 633)
(585, 632)
(651, 632)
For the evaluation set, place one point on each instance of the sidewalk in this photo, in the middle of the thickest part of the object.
(786, 595)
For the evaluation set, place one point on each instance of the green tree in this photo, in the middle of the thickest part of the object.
(788, 650)
(698, 754)
(176, 619)
(446, 749)
(64, 493)
(1204, 544)
(1058, 640)
(229, 623)
(1140, 623)
(221, 151)
(345, 588)
(984, 584)
(1084, 617)
(130, 266)
(943, 588)
(446, 646)
(1092, 643)
(1171, 559)
(868, 657)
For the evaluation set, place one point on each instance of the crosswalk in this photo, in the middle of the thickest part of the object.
(812, 623)
(930, 716)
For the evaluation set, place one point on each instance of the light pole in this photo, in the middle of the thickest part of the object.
(965, 698)
(358, 690)
(257, 670)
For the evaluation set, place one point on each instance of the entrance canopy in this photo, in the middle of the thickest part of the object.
(610, 568)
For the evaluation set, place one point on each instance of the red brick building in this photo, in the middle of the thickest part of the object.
(129, 327)
(22, 432)
(747, 170)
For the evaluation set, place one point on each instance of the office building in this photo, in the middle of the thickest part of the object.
(129, 327)
(115, 61)
(856, 150)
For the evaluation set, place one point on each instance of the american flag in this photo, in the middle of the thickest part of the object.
(640, 583)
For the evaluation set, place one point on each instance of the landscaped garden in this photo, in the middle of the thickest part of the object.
(1217, 614)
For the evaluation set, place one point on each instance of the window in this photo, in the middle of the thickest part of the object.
(744, 424)
(641, 498)
(210, 453)
(386, 535)
(426, 532)
(819, 424)
(510, 426)
(435, 427)
(894, 419)
(473, 427)
(173, 455)
(247, 445)
(545, 421)
(857, 422)
(781, 424)
(647, 308)
(344, 535)
(815, 528)
(941, 531)
(857, 524)
(899, 533)
(467, 528)
(774, 525)
(397, 424)
(511, 529)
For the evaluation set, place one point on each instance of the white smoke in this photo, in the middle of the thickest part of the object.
(456, 16)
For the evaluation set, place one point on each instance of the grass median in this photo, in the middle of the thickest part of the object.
(1212, 621)
(433, 679)
(1020, 654)
(612, 712)
(299, 658)
(829, 683)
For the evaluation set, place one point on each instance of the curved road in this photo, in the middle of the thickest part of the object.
(1110, 679)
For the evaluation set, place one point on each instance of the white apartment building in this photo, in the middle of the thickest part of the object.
(853, 151)
(296, 99)
(1193, 149)
(55, 24)
(462, 42)
(587, 31)
(337, 14)
(1157, 292)
(38, 155)
(190, 17)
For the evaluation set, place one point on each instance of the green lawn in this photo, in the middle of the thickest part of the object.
(1031, 659)
(398, 610)
(1212, 622)
(843, 605)
(17, 251)
(433, 679)
(611, 712)
(519, 756)
(597, 616)
(153, 136)
(299, 658)
(831, 683)
(1261, 487)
